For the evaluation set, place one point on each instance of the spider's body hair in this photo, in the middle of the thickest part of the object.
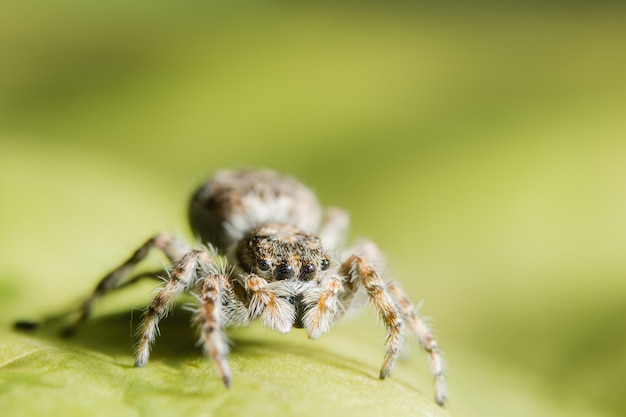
(232, 203)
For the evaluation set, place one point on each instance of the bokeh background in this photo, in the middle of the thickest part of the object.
(481, 144)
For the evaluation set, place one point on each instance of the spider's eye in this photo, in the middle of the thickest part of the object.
(283, 271)
(307, 272)
(263, 265)
(325, 264)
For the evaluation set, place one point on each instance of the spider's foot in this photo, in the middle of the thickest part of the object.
(68, 331)
(26, 325)
(440, 390)
(226, 380)
(386, 370)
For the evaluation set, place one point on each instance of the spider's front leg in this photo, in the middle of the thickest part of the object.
(395, 308)
(427, 341)
(361, 273)
(210, 315)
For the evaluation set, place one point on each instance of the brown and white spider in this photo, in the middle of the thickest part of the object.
(279, 268)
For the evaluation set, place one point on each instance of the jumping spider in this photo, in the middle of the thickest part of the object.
(282, 271)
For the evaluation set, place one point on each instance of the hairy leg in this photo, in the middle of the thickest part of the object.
(210, 317)
(325, 305)
(367, 250)
(421, 332)
(113, 281)
(171, 247)
(334, 228)
(360, 273)
(182, 277)
(276, 312)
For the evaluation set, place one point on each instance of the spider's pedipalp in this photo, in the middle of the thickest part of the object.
(276, 312)
(325, 305)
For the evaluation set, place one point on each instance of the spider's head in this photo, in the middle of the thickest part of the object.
(277, 252)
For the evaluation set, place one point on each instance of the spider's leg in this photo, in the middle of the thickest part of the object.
(171, 247)
(361, 272)
(422, 333)
(276, 312)
(334, 227)
(155, 275)
(210, 317)
(319, 317)
(368, 250)
(182, 277)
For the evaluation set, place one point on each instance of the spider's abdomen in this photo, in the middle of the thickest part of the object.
(232, 203)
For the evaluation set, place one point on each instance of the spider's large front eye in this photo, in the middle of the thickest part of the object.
(307, 272)
(263, 265)
(283, 271)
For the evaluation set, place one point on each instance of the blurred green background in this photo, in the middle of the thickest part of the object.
(482, 145)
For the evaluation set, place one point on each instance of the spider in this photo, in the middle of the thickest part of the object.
(268, 256)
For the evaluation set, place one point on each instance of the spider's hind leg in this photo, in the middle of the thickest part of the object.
(115, 280)
(171, 247)
(334, 228)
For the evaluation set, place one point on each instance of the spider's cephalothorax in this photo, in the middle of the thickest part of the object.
(282, 268)
(277, 252)
(281, 253)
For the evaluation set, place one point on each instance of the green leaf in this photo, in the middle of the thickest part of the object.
(92, 373)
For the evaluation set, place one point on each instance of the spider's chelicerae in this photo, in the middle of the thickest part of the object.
(282, 271)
